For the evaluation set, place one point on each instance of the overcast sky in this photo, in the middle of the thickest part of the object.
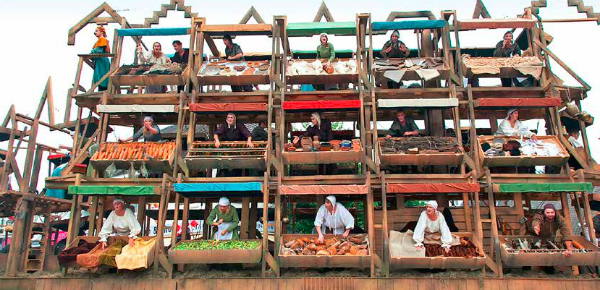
(35, 46)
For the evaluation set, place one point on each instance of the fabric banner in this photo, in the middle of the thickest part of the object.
(154, 31)
(228, 107)
(544, 187)
(517, 102)
(417, 103)
(136, 108)
(323, 189)
(496, 23)
(141, 255)
(111, 190)
(316, 28)
(217, 187)
(408, 25)
(316, 105)
(108, 256)
(431, 187)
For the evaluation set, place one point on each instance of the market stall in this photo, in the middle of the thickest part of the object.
(518, 251)
(513, 151)
(231, 154)
(420, 151)
(224, 72)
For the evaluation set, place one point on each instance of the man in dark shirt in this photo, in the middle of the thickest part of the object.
(260, 133)
(403, 126)
(232, 130)
(181, 56)
(507, 48)
(234, 52)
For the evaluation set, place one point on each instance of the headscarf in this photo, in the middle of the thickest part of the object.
(149, 118)
(331, 198)
(396, 33)
(234, 121)
(117, 200)
(510, 111)
(326, 37)
(433, 204)
(223, 201)
(549, 206)
(317, 117)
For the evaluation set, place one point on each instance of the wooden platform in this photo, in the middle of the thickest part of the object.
(299, 283)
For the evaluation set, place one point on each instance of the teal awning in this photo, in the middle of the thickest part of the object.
(111, 190)
(154, 31)
(316, 28)
(544, 187)
(219, 189)
(407, 25)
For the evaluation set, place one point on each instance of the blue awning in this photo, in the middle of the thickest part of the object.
(154, 31)
(229, 189)
(408, 25)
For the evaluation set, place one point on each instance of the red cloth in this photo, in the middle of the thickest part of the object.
(518, 102)
(56, 156)
(228, 107)
(315, 105)
(323, 189)
(432, 187)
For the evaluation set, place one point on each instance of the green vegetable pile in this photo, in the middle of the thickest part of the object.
(218, 245)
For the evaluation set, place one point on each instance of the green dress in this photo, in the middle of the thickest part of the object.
(326, 52)
(101, 64)
(231, 216)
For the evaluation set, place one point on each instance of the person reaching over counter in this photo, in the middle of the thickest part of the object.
(333, 218)
(121, 221)
(403, 126)
(432, 221)
(150, 132)
(156, 56)
(224, 216)
(395, 48)
(232, 130)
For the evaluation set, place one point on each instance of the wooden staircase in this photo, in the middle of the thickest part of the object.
(581, 8)
(34, 257)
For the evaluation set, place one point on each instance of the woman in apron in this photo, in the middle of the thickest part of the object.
(121, 221)
(224, 216)
(333, 218)
(432, 221)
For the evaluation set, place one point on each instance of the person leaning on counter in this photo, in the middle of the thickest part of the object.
(333, 218)
(232, 130)
(150, 132)
(403, 126)
(511, 126)
(318, 127)
(121, 221)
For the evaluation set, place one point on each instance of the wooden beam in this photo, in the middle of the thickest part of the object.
(323, 12)
(562, 64)
(252, 13)
(104, 7)
(480, 10)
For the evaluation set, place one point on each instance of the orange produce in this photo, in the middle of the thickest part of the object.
(134, 151)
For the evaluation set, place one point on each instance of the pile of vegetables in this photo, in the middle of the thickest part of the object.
(230, 148)
(134, 151)
(357, 245)
(218, 245)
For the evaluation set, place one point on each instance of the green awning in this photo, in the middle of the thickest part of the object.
(544, 187)
(316, 28)
(111, 190)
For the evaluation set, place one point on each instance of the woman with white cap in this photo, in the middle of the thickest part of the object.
(318, 127)
(150, 132)
(224, 216)
(121, 221)
(333, 218)
(511, 126)
(394, 47)
(432, 221)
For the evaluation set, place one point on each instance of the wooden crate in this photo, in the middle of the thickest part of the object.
(439, 262)
(227, 162)
(421, 159)
(505, 72)
(321, 261)
(591, 258)
(323, 157)
(95, 239)
(495, 161)
(321, 79)
(150, 79)
(216, 256)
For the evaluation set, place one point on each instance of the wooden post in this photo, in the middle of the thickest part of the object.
(16, 247)
(252, 220)
(467, 212)
(495, 242)
(384, 227)
(141, 215)
(244, 218)
(93, 216)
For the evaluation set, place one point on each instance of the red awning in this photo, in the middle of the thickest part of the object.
(432, 187)
(228, 107)
(517, 102)
(323, 189)
(316, 105)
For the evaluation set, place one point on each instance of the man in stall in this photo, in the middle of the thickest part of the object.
(233, 52)
(181, 56)
(546, 224)
(403, 126)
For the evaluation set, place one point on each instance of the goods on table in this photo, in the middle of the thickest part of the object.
(316, 67)
(510, 147)
(501, 61)
(357, 245)
(235, 68)
(208, 149)
(140, 255)
(536, 245)
(409, 63)
(416, 145)
(148, 69)
(466, 249)
(334, 145)
(218, 245)
(135, 151)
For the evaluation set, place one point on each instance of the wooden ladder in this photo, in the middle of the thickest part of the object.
(34, 257)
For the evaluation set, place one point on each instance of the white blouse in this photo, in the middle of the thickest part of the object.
(426, 225)
(339, 221)
(125, 225)
(150, 58)
(505, 129)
